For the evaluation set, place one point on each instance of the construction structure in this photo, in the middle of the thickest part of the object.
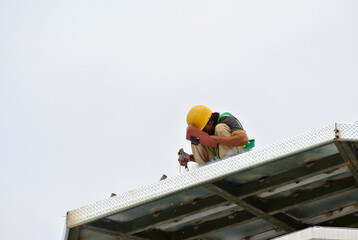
(271, 191)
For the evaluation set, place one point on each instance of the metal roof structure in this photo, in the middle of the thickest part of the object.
(303, 181)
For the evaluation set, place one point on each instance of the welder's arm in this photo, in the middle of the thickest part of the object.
(237, 140)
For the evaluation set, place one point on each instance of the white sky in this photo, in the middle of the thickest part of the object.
(94, 94)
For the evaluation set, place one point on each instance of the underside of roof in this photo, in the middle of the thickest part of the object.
(303, 181)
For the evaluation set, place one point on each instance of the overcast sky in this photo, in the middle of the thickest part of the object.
(94, 94)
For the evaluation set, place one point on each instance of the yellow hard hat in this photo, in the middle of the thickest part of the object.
(198, 116)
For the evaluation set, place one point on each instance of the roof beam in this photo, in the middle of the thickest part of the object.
(256, 207)
(345, 221)
(173, 214)
(300, 198)
(109, 226)
(114, 228)
(157, 235)
(350, 157)
(310, 169)
(276, 210)
(202, 229)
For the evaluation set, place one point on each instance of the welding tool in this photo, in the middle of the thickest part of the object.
(182, 156)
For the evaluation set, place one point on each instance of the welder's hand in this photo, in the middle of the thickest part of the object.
(183, 161)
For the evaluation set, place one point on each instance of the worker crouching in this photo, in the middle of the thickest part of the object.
(224, 130)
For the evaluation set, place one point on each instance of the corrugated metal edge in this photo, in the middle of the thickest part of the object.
(202, 175)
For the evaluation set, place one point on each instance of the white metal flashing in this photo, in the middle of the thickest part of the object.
(322, 233)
